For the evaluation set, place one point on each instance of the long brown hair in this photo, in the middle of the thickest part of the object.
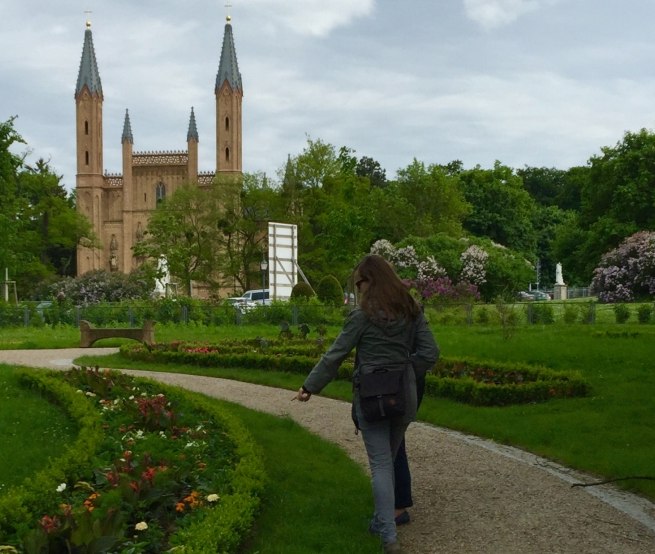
(386, 296)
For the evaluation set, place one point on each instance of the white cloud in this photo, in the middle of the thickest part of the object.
(495, 13)
(312, 17)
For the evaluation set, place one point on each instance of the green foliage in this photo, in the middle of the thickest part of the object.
(301, 290)
(495, 384)
(438, 204)
(502, 209)
(621, 312)
(329, 291)
(39, 225)
(571, 313)
(483, 384)
(101, 286)
(540, 313)
(644, 312)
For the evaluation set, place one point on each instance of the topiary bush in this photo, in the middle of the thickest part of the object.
(301, 290)
(329, 291)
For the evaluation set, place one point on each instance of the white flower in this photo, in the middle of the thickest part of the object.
(212, 498)
(89, 393)
(61, 488)
(131, 397)
(79, 391)
(141, 526)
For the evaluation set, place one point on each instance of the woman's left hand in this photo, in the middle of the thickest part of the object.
(303, 395)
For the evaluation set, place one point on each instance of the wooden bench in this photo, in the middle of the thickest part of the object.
(90, 334)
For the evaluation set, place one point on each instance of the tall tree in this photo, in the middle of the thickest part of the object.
(501, 208)
(368, 167)
(9, 222)
(436, 198)
(183, 229)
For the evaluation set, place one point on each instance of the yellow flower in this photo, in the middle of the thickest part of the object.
(212, 498)
(141, 526)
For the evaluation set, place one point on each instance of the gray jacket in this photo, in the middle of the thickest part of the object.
(377, 344)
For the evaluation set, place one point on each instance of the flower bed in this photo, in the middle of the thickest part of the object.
(484, 384)
(478, 383)
(154, 467)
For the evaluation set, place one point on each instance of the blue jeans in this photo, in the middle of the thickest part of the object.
(402, 475)
(382, 440)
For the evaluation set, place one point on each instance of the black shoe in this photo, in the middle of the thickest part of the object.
(402, 518)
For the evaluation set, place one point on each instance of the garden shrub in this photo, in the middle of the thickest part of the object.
(644, 313)
(329, 291)
(540, 313)
(301, 290)
(479, 383)
(627, 272)
(571, 313)
(482, 315)
(621, 313)
(485, 384)
(588, 312)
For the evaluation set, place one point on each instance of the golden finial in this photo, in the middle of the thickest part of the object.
(228, 17)
(88, 18)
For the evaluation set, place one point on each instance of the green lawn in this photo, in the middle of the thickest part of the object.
(610, 433)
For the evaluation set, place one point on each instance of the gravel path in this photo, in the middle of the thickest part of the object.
(471, 495)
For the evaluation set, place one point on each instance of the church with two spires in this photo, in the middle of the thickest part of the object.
(118, 205)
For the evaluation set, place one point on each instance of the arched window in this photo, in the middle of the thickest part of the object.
(160, 192)
(227, 123)
(86, 127)
(227, 154)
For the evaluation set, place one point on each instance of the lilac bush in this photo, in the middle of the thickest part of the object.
(628, 272)
(429, 279)
(474, 260)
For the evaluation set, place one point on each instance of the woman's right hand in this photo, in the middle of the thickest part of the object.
(303, 395)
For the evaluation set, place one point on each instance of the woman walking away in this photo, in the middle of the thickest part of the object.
(394, 344)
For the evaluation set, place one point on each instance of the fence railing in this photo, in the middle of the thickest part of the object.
(313, 313)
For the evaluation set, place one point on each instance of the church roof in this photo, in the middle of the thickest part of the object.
(127, 130)
(88, 75)
(192, 133)
(228, 69)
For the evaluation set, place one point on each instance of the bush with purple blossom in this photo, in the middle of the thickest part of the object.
(627, 273)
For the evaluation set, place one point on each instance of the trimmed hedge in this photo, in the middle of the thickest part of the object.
(470, 381)
(485, 384)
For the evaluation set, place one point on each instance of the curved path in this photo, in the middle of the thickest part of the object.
(472, 495)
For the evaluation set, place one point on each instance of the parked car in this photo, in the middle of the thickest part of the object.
(524, 295)
(540, 295)
(251, 299)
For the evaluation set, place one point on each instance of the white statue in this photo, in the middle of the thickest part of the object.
(162, 282)
(558, 274)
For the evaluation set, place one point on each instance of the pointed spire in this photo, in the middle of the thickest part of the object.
(127, 130)
(192, 133)
(88, 75)
(228, 69)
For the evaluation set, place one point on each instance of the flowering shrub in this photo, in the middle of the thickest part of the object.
(473, 261)
(429, 278)
(102, 286)
(627, 272)
(164, 464)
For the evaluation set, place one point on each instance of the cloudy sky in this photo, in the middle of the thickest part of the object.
(526, 82)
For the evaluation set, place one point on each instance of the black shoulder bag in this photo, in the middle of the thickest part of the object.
(382, 392)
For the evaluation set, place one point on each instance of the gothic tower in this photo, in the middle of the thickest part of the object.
(229, 94)
(119, 205)
(89, 181)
